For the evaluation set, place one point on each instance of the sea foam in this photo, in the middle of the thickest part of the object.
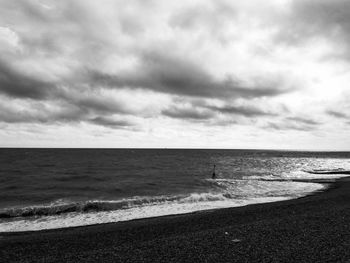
(233, 193)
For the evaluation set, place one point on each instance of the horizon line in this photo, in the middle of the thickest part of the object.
(176, 148)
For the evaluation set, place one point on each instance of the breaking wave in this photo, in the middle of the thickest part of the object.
(61, 207)
(225, 193)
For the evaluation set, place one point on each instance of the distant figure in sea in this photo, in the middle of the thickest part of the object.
(214, 174)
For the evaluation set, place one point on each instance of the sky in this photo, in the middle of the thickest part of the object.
(253, 74)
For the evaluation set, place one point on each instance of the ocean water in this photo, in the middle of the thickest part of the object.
(56, 188)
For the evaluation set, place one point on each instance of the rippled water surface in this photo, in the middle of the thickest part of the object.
(50, 188)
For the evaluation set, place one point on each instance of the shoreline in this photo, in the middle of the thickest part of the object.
(326, 183)
(208, 235)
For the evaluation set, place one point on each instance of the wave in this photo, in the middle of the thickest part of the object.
(56, 208)
(224, 193)
(328, 171)
(59, 207)
(298, 175)
(223, 190)
(82, 219)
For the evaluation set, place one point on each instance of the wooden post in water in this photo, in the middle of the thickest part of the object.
(214, 175)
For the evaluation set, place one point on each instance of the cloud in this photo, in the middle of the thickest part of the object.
(94, 100)
(61, 112)
(208, 16)
(38, 112)
(247, 111)
(100, 104)
(308, 20)
(112, 123)
(207, 62)
(60, 105)
(337, 114)
(295, 123)
(220, 113)
(323, 16)
(178, 76)
(188, 113)
(19, 85)
(303, 120)
(289, 126)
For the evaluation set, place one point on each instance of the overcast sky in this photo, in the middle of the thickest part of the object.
(192, 74)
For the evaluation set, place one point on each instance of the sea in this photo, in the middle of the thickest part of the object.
(58, 188)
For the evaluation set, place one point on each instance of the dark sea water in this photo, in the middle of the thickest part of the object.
(54, 188)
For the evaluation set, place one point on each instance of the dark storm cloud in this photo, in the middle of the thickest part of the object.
(16, 84)
(337, 114)
(178, 76)
(188, 113)
(111, 123)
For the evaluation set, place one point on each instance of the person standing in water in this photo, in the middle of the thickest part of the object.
(214, 174)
